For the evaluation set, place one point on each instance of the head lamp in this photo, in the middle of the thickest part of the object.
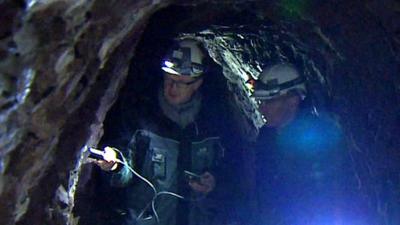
(272, 89)
(176, 67)
(185, 58)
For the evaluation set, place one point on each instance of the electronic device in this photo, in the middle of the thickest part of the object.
(190, 176)
(96, 154)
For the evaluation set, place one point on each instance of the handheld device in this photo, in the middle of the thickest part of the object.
(96, 154)
(108, 154)
(190, 176)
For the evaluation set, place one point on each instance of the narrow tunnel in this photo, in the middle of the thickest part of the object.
(251, 43)
(64, 91)
(143, 82)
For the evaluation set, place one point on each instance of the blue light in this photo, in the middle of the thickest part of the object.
(310, 136)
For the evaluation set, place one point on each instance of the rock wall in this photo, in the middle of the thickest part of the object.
(57, 83)
(63, 62)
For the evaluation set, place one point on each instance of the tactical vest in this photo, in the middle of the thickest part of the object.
(161, 164)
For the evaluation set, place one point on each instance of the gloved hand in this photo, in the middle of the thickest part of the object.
(110, 160)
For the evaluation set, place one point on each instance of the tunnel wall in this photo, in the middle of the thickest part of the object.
(63, 62)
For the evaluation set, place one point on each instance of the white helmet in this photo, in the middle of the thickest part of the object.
(185, 59)
(278, 80)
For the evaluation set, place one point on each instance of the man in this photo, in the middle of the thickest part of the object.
(301, 159)
(174, 146)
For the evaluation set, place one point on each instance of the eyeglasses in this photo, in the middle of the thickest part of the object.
(179, 84)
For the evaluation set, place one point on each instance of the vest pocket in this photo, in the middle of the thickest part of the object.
(159, 165)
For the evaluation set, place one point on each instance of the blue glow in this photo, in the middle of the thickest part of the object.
(323, 212)
(308, 169)
(31, 3)
(310, 136)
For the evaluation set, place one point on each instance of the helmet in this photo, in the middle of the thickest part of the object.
(185, 59)
(278, 80)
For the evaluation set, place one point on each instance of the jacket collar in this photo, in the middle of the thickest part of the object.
(184, 114)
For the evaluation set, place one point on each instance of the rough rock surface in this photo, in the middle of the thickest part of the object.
(62, 64)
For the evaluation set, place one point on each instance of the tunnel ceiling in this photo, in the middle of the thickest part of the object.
(62, 64)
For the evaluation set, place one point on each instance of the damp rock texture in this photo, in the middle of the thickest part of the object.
(62, 63)
(57, 82)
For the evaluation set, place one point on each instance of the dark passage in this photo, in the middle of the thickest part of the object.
(298, 169)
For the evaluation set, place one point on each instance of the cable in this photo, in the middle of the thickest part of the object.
(156, 194)
(162, 193)
(125, 163)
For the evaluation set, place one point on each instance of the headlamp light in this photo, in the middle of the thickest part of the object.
(168, 64)
(272, 89)
(174, 66)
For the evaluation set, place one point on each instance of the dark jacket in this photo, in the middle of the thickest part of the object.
(160, 150)
(303, 173)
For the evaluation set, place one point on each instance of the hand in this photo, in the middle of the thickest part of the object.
(110, 160)
(206, 184)
(106, 165)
